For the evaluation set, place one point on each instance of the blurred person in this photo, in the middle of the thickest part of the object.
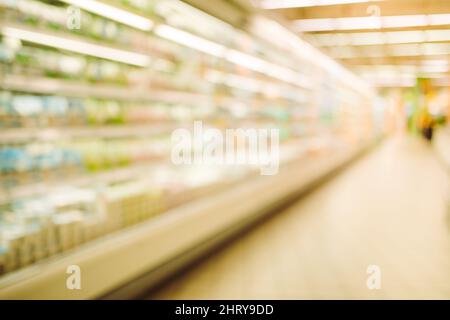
(426, 125)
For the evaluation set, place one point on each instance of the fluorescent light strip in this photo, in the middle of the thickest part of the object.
(398, 50)
(393, 83)
(440, 62)
(400, 77)
(82, 47)
(284, 4)
(417, 20)
(381, 38)
(399, 69)
(262, 66)
(113, 13)
(190, 40)
(361, 23)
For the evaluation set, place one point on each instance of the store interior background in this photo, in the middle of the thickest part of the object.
(91, 91)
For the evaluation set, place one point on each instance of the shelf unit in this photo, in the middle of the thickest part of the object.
(169, 241)
(91, 111)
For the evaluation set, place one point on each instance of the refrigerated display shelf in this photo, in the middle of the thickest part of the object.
(52, 86)
(132, 198)
(170, 235)
(59, 87)
(79, 180)
(22, 135)
(48, 134)
(140, 59)
(80, 89)
(289, 151)
(261, 90)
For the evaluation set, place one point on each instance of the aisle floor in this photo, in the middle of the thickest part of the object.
(389, 209)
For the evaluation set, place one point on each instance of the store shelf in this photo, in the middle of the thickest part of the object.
(289, 151)
(86, 47)
(17, 135)
(90, 111)
(166, 237)
(80, 180)
(78, 89)
(52, 86)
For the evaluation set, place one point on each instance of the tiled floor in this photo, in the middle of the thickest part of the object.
(388, 209)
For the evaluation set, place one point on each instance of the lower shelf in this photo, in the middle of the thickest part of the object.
(118, 259)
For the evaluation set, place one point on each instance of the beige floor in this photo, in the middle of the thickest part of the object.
(388, 209)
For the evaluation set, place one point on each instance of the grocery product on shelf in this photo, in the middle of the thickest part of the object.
(86, 115)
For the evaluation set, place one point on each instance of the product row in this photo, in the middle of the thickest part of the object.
(41, 111)
(65, 217)
(33, 229)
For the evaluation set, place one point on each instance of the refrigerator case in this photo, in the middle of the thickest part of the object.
(86, 117)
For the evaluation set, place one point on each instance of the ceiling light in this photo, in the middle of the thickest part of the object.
(357, 23)
(404, 21)
(368, 38)
(439, 62)
(380, 38)
(434, 69)
(283, 4)
(78, 46)
(397, 50)
(190, 40)
(113, 13)
(393, 83)
(361, 23)
(438, 35)
(405, 37)
(435, 49)
(402, 69)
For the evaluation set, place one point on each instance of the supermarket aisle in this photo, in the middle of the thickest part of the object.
(389, 209)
